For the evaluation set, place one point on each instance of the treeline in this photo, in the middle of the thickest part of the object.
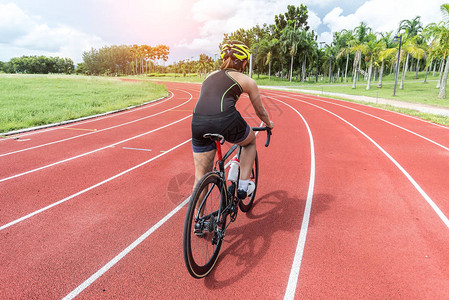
(289, 49)
(202, 66)
(38, 65)
(122, 60)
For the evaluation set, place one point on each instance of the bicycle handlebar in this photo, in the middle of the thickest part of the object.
(267, 129)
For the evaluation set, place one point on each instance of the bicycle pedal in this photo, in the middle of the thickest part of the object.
(198, 230)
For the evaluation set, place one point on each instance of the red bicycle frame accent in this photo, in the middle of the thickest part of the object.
(217, 143)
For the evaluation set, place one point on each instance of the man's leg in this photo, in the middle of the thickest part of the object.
(204, 162)
(248, 155)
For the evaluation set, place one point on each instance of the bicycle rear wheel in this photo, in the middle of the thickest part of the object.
(204, 225)
(246, 204)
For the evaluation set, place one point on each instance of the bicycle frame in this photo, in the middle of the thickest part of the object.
(217, 199)
(231, 189)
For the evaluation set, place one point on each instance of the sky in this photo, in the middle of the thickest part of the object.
(67, 28)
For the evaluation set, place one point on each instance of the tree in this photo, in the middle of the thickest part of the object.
(290, 40)
(343, 48)
(411, 27)
(411, 48)
(295, 17)
(81, 69)
(242, 35)
(385, 55)
(307, 49)
(39, 65)
(273, 53)
(374, 47)
(411, 30)
(440, 33)
(358, 46)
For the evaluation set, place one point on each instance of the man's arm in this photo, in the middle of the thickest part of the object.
(249, 86)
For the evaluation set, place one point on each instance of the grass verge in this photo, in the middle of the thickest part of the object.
(438, 119)
(414, 91)
(34, 100)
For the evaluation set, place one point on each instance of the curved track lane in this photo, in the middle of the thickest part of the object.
(95, 209)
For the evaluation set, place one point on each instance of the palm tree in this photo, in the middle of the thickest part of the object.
(419, 53)
(261, 49)
(359, 47)
(135, 53)
(362, 31)
(411, 27)
(307, 48)
(374, 47)
(345, 52)
(343, 49)
(273, 46)
(440, 33)
(291, 38)
(411, 30)
(434, 53)
(384, 56)
(329, 55)
(387, 54)
(412, 48)
(405, 66)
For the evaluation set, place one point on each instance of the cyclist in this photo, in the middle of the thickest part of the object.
(215, 112)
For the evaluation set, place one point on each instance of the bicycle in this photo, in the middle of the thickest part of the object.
(214, 200)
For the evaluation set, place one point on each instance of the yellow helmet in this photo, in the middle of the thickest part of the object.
(235, 50)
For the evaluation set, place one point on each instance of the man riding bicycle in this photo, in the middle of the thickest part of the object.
(215, 112)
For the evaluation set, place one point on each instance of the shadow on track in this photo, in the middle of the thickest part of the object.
(246, 246)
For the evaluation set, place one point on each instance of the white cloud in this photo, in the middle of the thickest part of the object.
(323, 3)
(28, 35)
(384, 15)
(13, 22)
(337, 22)
(217, 18)
(325, 37)
(313, 21)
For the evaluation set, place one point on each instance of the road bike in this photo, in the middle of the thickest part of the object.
(213, 200)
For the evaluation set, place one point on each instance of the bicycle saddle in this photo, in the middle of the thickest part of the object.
(214, 137)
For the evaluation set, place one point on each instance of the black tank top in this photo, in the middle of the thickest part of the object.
(219, 93)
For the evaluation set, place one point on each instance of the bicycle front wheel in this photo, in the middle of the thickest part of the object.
(246, 204)
(204, 225)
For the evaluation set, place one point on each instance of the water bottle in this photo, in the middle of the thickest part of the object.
(234, 170)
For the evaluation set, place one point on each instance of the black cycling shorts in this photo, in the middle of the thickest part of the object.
(229, 124)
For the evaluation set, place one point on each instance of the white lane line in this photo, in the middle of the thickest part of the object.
(383, 120)
(97, 131)
(299, 252)
(140, 149)
(128, 249)
(90, 152)
(89, 188)
(122, 254)
(407, 175)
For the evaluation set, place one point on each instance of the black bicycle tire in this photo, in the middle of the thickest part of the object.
(196, 270)
(245, 205)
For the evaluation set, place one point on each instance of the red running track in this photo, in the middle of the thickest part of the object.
(352, 203)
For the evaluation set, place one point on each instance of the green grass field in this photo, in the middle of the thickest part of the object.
(415, 90)
(33, 100)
